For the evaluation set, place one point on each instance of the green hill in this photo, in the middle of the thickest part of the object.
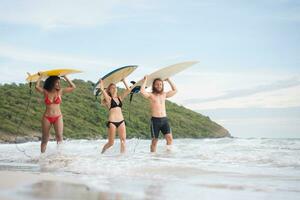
(84, 117)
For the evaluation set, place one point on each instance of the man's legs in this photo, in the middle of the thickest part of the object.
(153, 144)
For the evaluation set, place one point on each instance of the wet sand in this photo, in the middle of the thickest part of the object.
(24, 185)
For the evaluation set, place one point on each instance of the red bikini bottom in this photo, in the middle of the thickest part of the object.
(52, 119)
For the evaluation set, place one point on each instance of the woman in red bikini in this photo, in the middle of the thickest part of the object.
(115, 119)
(52, 116)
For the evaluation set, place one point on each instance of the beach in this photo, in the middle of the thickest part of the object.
(25, 185)
(227, 168)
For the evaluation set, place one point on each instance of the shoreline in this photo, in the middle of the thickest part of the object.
(26, 139)
(6, 138)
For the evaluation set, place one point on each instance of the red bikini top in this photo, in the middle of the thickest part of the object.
(57, 100)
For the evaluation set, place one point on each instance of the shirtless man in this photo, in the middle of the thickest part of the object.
(159, 120)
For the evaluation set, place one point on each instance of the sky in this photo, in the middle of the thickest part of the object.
(248, 76)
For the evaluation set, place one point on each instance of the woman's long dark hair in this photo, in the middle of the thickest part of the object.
(50, 83)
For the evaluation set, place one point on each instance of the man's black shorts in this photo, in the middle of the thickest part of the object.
(159, 124)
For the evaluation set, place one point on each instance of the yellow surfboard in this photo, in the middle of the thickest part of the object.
(54, 72)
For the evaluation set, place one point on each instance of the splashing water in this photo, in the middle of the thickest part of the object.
(227, 168)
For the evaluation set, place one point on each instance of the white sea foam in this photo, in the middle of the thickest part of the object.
(247, 168)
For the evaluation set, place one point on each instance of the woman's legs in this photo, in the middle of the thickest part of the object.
(122, 136)
(58, 127)
(111, 137)
(46, 125)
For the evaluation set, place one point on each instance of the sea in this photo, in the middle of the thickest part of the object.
(224, 168)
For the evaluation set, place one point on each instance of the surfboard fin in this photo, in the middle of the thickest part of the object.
(97, 93)
(134, 90)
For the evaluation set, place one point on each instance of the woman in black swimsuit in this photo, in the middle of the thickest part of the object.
(115, 120)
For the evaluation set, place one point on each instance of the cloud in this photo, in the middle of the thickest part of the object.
(254, 112)
(17, 61)
(47, 58)
(258, 122)
(230, 94)
(66, 13)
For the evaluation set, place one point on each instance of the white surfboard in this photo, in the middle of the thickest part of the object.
(165, 73)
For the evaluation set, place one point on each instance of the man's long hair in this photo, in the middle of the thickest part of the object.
(154, 90)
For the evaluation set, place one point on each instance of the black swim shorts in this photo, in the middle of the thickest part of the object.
(159, 124)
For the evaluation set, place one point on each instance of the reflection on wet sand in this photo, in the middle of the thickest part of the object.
(61, 190)
(154, 192)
